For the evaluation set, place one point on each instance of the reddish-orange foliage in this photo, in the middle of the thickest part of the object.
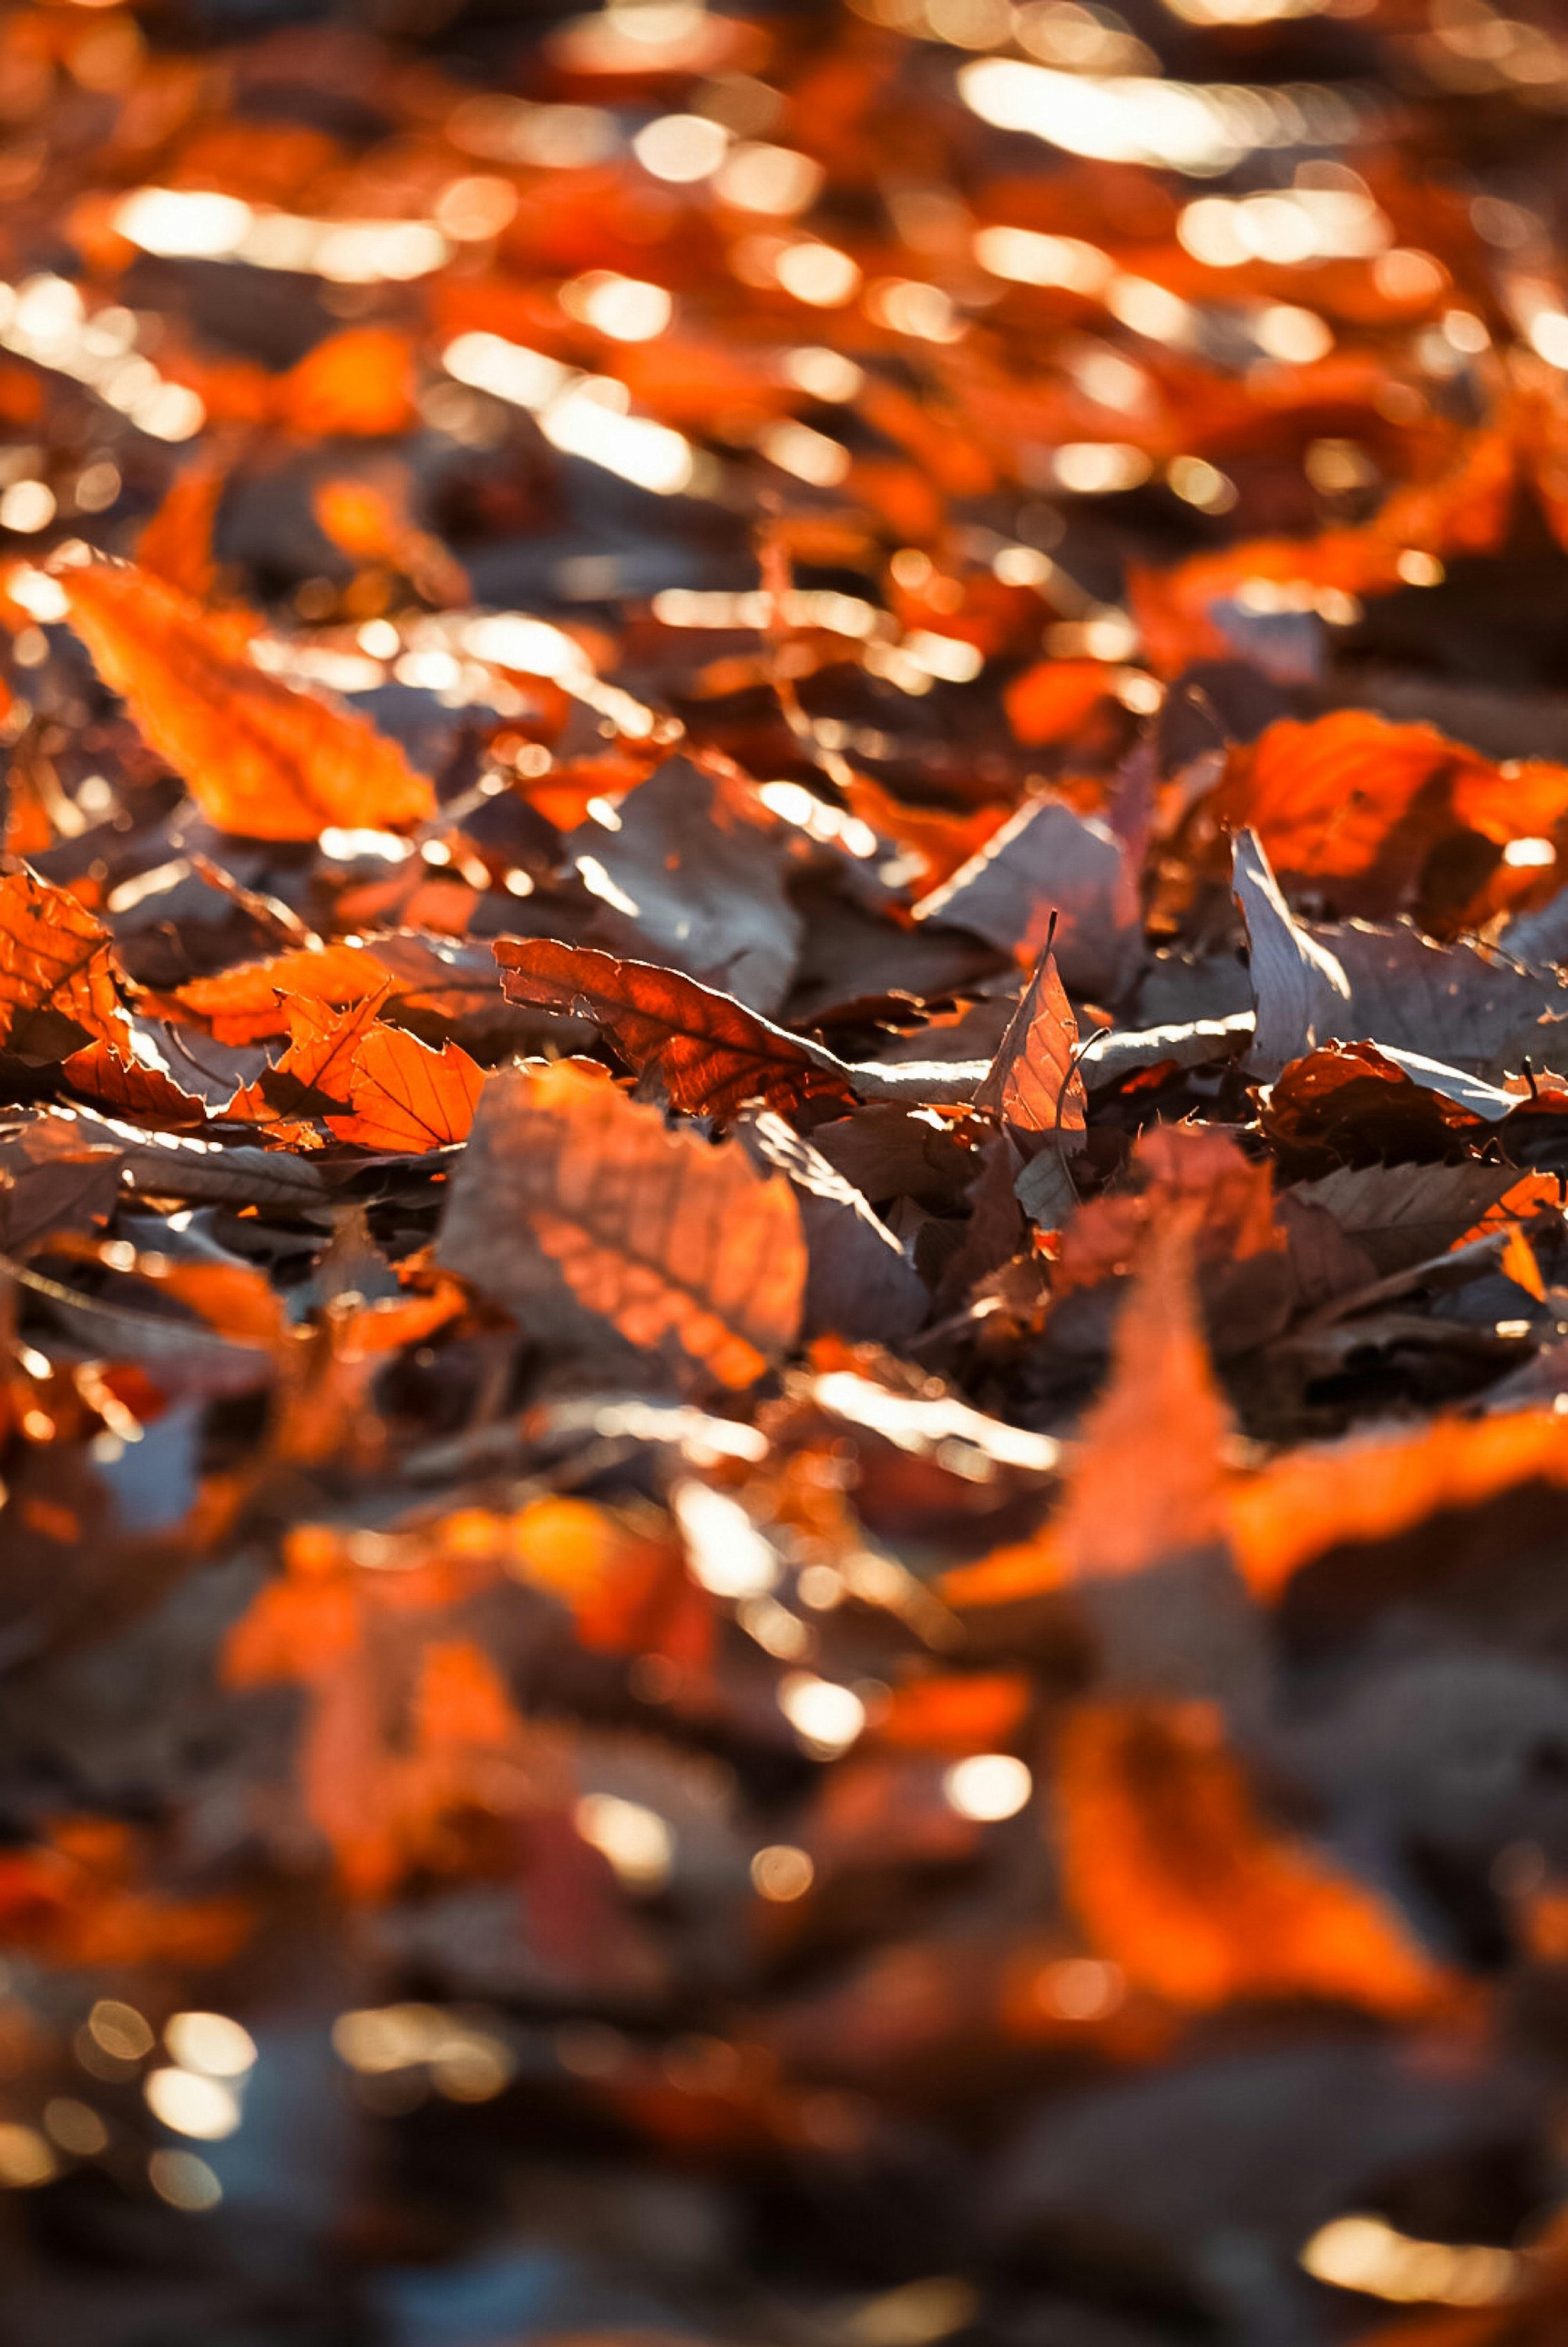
(708, 1053)
(259, 759)
(57, 971)
(1354, 805)
(679, 1244)
(249, 1003)
(1176, 1879)
(82, 1897)
(176, 544)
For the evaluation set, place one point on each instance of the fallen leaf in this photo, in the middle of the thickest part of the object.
(570, 1192)
(259, 759)
(708, 1054)
(57, 971)
(1176, 1879)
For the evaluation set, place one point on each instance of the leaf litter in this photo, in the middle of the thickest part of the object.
(784, 1355)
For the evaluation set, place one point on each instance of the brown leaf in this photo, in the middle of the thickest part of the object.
(694, 871)
(1034, 1084)
(1148, 1479)
(570, 1191)
(1048, 860)
(1457, 1004)
(261, 759)
(1400, 1214)
(707, 1053)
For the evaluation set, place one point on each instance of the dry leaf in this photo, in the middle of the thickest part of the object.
(259, 759)
(572, 1193)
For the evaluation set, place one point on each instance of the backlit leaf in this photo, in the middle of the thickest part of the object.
(571, 1191)
(259, 759)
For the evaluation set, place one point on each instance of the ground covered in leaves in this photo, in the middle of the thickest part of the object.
(783, 1120)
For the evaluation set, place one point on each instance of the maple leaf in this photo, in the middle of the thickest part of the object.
(259, 759)
(57, 971)
(571, 1190)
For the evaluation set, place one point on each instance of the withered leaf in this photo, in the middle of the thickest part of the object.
(1177, 1878)
(261, 759)
(860, 1283)
(571, 1193)
(1047, 859)
(708, 1054)
(57, 971)
(691, 872)
(1402, 1214)
(1033, 1083)
(1458, 1005)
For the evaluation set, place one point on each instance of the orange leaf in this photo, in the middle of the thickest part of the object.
(146, 1095)
(251, 1003)
(710, 1052)
(570, 1190)
(979, 1711)
(1176, 1879)
(176, 544)
(1033, 1083)
(1148, 1479)
(56, 976)
(262, 760)
(360, 382)
(1358, 804)
(1364, 1491)
(404, 1096)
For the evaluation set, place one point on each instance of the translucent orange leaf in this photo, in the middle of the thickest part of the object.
(1148, 1479)
(176, 544)
(146, 1095)
(570, 1189)
(57, 975)
(978, 1711)
(1317, 1498)
(404, 1096)
(359, 382)
(1033, 1083)
(1176, 1879)
(83, 1898)
(261, 759)
(251, 1003)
